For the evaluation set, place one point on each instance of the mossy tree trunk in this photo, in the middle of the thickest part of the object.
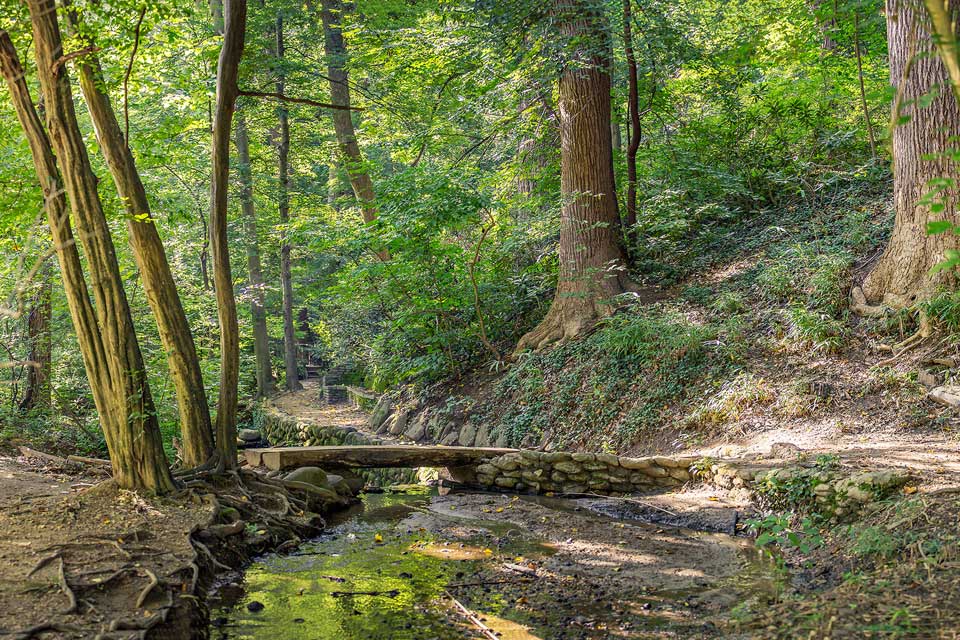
(104, 328)
(235, 20)
(150, 256)
(331, 14)
(261, 339)
(592, 257)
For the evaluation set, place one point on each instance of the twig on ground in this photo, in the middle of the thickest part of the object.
(472, 617)
(392, 593)
(484, 583)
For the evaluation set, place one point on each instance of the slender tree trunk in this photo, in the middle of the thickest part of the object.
(616, 139)
(903, 275)
(105, 331)
(633, 108)
(37, 395)
(336, 52)
(261, 339)
(151, 258)
(863, 90)
(592, 258)
(291, 377)
(235, 20)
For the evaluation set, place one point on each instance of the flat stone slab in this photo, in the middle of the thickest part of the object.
(378, 456)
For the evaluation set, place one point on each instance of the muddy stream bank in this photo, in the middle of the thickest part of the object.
(413, 564)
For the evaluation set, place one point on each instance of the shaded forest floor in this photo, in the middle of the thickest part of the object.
(78, 556)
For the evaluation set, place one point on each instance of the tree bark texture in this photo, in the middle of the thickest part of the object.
(633, 109)
(258, 311)
(105, 330)
(151, 258)
(903, 276)
(235, 20)
(37, 395)
(336, 51)
(291, 378)
(592, 258)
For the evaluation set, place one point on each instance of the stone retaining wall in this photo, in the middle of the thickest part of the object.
(558, 472)
(283, 430)
(837, 492)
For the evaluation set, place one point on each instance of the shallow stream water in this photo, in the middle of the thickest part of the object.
(416, 565)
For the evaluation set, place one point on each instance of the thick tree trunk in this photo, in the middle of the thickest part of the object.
(105, 330)
(258, 311)
(336, 52)
(592, 259)
(903, 274)
(291, 378)
(151, 258)
(37, 395)
(235, 20)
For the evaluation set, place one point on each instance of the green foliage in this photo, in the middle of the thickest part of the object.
(778, 530)
(794, 490)
(944, 309)
(614, 386)
(752, 139)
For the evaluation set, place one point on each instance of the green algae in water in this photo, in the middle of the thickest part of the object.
(304, 594)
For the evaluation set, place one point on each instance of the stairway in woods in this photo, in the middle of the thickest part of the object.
(332, 389)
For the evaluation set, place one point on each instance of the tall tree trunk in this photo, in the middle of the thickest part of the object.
(235, 20)
(37, 395)
(863, 91)
(258, 311)
(151, 258)
(633, 109)
(903, 275)
(105, 330)
(592, 259)
(291, 378)
(336, 53)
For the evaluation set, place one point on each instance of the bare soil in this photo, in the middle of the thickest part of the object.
(81, 558)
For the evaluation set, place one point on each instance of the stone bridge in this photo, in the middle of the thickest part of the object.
(495, 468)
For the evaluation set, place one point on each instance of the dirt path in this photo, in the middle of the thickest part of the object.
(306, 405)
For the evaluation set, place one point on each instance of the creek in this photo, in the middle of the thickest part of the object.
(418, 565)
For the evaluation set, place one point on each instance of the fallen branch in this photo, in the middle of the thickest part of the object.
(27, 452)
(472, 617)
(393, 593)
(29, 632)
(630, 500)
(484, 583)
(43, 562)
(92, 461)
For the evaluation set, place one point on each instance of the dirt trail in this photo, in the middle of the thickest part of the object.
(306, 405)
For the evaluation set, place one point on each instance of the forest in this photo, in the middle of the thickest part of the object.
(527, 319)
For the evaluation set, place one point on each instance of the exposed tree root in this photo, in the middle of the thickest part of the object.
(67, 591)
(859, 305)
(924, 331)
(147, 589)
(26, 634)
